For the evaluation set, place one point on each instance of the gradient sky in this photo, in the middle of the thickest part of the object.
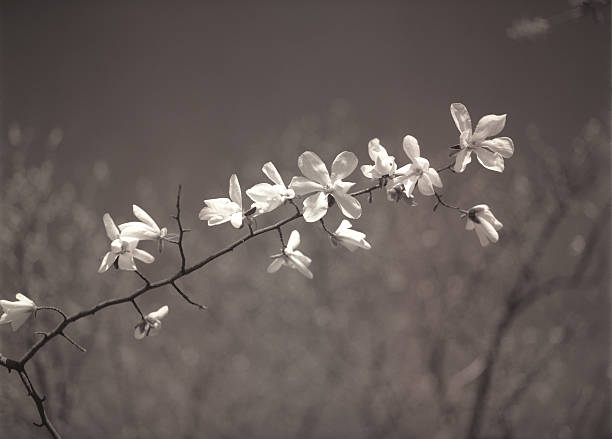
(152, 86)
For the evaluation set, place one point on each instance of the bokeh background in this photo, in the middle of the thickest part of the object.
(105, 104)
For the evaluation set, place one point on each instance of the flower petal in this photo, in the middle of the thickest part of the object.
(344, 164)
(24, 298)
(489, 126)
(315, 207)
(504, 146)
(482, 235)
(425, 185)
(298, 264)
(271, 172)
(140, 331)
(490, 160)
(138, 230)
(144, 217)
(462, 159)
(294, 241)
(303, 186)
(434, 177)
(411, 147)
(126, 262)
(368, 171)
(143, 256)
(159, 314)
(313, 168)
(275, 265)
(18, 319)
(234, 191)
(111, 229)
(236, 219)
(107, 262)
(461, 116)
(301, 257)
(348, 204)
(375, 148)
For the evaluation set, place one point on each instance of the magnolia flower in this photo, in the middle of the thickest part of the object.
(491, 153)
(16, 313)
(481, 219)
(351, 239)
(266, 196)
(418, 173)
(222, 210)
(317, 179)
(123, 248)
(384, 164)
(147, 229)
(291, 257)
(151, 324)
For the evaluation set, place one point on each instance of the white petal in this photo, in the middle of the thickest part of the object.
(411, 147)
(18, 319)
(303, 186)
(270, 170)
(504, 146)
(159, 314)
(143, 256)
(462, 159)
(313, 168)
(435, 177)
(139, 231)
(126, 262)
(234, 191)
(482, 235)
(262, 192)
(140, 331)
(236, 219)
(410, 183)
(144, 217)
(490, 160)
(348, 204)
(367, 170)
(374, 148)
(425, 185)
(301, 257)
(489, 126)
(111, 229)
(299, 265)
(315, 207)
(275, 265)
(461, 116)
(344, 164)
(294, 241)
(24, 298)
(344, 224)
(107, 262)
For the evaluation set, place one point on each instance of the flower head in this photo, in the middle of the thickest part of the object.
(266, 196)
(151, 324)
(481, 219)
(418, 173)
(291, 257)
(490, 152)
(222, 210)
(122, 248)
(146, 229)
(318, 180)
(349, 238)
(384, 164)
(16, 313)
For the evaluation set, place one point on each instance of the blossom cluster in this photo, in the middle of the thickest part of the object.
(318, 189)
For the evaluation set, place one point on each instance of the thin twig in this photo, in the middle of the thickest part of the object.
(181, 230)
(449, 206)
(74, 343)
(52, 308)
(186, 297)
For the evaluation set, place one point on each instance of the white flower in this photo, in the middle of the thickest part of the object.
(418, 173)
(491, 153)
(481, 219)
(147, 229)
(351, 239)
(151, 324)
(122, 247)
(16, 313)
(384, 164)
(317, 179)
(266, 196)
(222, 210)
(291, 257)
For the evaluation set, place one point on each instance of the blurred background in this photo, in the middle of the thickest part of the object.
(427, 335)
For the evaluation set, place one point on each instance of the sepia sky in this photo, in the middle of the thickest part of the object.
(153, 87)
